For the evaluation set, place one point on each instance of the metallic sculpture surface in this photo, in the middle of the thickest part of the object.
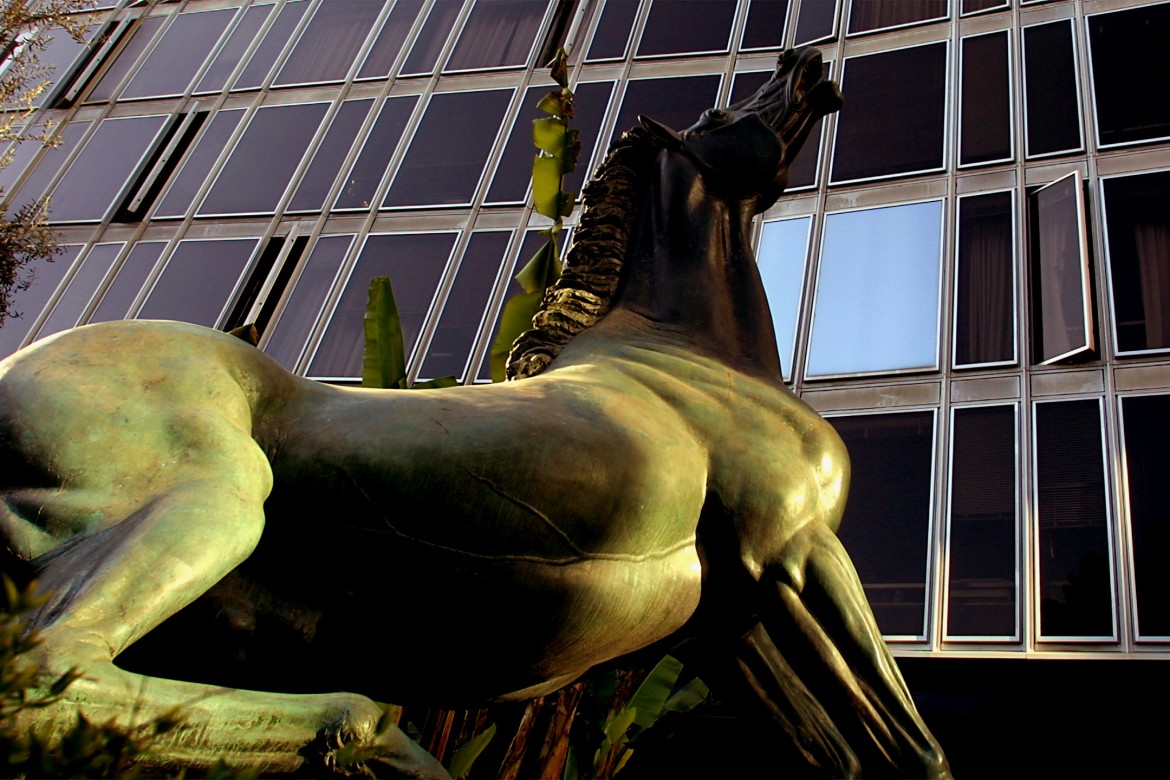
(650, 483)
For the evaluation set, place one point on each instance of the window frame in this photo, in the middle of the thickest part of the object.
(164, 261)
(1093, 87)
(794, 15)
(1018, 536)
(1076, 70)
(1012, 80)
(629, 36)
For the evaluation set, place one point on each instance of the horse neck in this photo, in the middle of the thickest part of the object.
(690, 270)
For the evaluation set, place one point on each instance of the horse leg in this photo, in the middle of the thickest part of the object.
(815, 659)
(115, 585)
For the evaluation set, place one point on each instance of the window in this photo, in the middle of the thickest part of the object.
(1146, 465)
(111, 158)
(893, 122)
(1062, 307)
(49, 164)
(286, 338)
(118, 300)
(1052, 116)
(330, 156)
(877, 296)
(968, 7)
(514, 172)
(985, 113)
(234, 49)
(447, 155)
(118, 70)
(1137, 231)
(25, 305)
(414, 262)
(388, 45)
(1075, 559)
(283, 29)
(70, 307)
(983, 530)
(200, 162)
(695, 27)
(179, 54)
(498, 34)
(675, 102)
(1127, 51)
(985, 280)
(886, 528)
(463, 312)
(329, 42)
(273, 143)
(871, 15)
(62, 54)
(424, 53)
(816, 20)
(783, 249)
(198, 281)
(611, 39)
(764, 28)
(366, 173)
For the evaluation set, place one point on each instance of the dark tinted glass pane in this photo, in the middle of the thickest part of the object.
(510, 182)
(22, 154)
(233, 49)
(300, 312)
(429, 43)
(1075, 597)
(985, 113)
(613, 30)
(388, 45)
(676, 102)
(199, 164)
(865, 15)
(177, 57)
(1147, 461)
(1129, 56)
(273, 42)
(109, 158)
(1060, 305)
(975, 6)
(1050, 89)
(61, 53)
(459, 323)
(815, 20)
(88, 279)
(264, 159)
(447, 155)
(887, 517)
(24, 307)
(118, 299)
(765, 24)
(329, 157)
(139, 41)
(984, 288)
(368, 169)
(682, 28)
(36, 183)
(198, 280)
(414, 263)
(893, 122)
(531, 243)
(982, 583)
(330, 42)
(1137, 220)
(498, 34)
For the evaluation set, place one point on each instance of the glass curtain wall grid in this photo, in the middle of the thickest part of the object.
(969, 266)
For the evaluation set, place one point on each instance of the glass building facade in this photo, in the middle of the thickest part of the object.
(969, 273)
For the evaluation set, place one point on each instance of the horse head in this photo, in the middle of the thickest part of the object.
(744, 152)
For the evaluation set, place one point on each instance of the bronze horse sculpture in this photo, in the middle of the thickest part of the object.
(649, 483)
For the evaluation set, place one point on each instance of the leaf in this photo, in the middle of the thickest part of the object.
(551, 135)
(687, 697)
(246, 333)
(384, 361)
(652, 694)
(542, 270)
(559, 67)
(558, 103)
(514, 320)
(442, 381)
(546, 186)
(466, 754)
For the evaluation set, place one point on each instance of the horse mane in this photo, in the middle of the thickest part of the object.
(594, 262)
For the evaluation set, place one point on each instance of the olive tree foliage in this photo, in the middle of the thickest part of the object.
(26, 27)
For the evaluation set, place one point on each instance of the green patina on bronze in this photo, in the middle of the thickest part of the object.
(650, 483)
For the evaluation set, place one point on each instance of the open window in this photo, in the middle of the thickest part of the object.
(1062, 305)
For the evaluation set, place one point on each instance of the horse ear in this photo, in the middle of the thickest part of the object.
(661, 133)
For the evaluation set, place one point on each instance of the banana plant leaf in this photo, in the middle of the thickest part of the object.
(465, 755)
(384, 360)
